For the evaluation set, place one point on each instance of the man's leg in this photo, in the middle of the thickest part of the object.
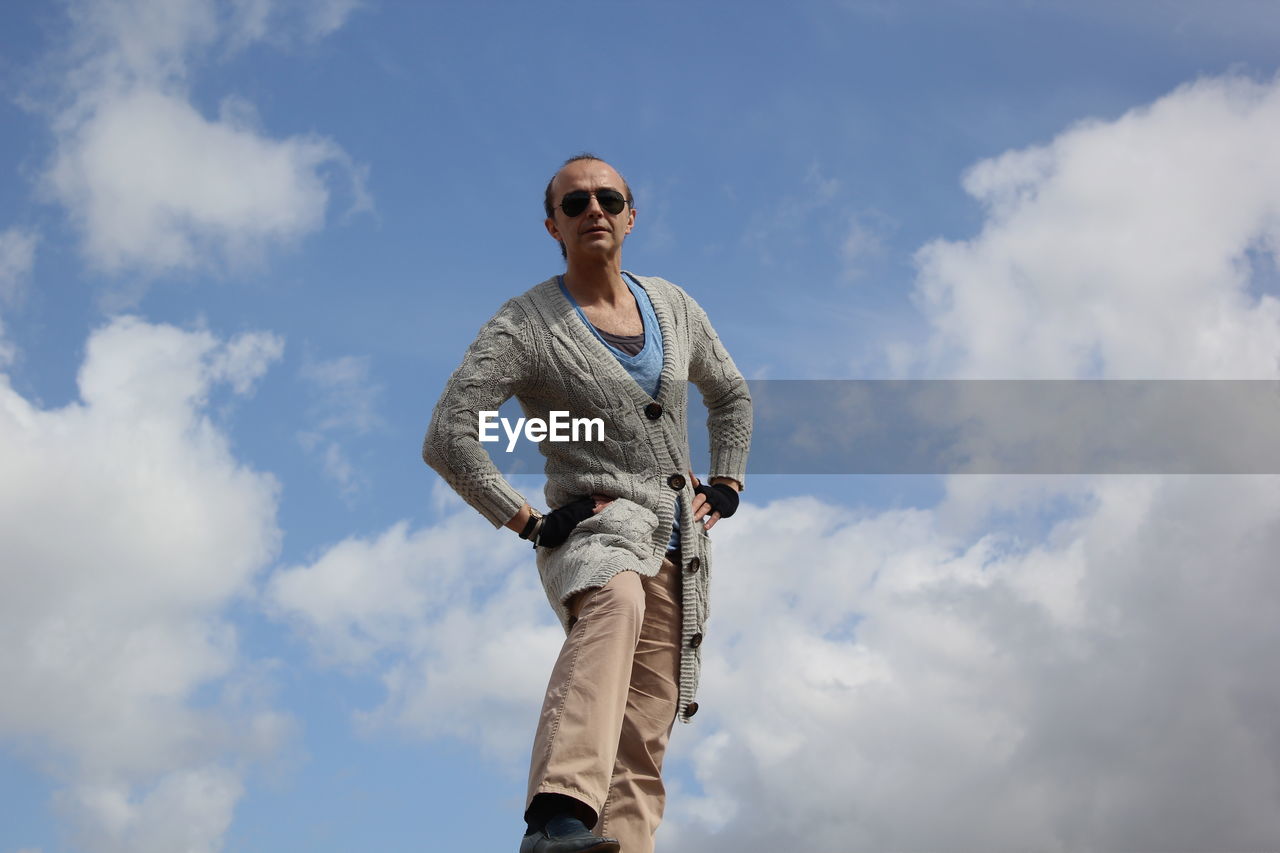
(636, 798)
(577, 739)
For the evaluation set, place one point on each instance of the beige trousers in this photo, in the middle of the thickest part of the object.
(611, 703)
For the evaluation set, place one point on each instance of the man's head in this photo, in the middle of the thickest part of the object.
(588, 183)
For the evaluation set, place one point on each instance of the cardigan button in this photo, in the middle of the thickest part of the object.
(653, 411)
(676, 481)
(695, 640)
(691, 709)
(693, 565)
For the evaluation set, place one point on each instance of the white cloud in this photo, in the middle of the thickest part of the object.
(189, 810)
(8, 352)
(345, 394)
(280, 20)
(120, 43)
(334, 461)
(1120, 249)
(886, 680)
(17, 257)
(155, 184)
(863, 242)
(344, 401)
(128, 527)
(327, 16)
(1040, 664)
(452, 614)
(876, 682)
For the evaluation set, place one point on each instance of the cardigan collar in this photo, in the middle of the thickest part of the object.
(590, 343)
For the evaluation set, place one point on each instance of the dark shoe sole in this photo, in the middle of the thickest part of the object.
(603, 847)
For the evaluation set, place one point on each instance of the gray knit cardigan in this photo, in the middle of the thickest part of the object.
(537, 349)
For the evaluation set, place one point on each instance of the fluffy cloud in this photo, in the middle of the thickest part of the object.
(344, 401)
(1123, 249)
(1041, 664)
(890, 680)
(880, 682)
(345, 393)
(253, 20)
(155, 184)
(17, 256)
(452, 615)
(128, 528)
(863, 242)
(158, 186)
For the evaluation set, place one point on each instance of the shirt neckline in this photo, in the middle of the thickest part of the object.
(589, 339)
(632, 285)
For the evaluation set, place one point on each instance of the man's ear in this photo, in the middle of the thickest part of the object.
(631, 218)
(552, 229)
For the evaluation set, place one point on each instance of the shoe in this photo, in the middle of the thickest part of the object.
(556, 837)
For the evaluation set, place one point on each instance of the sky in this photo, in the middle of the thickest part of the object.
(243, 243)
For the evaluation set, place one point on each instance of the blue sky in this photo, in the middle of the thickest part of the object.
(244, 242)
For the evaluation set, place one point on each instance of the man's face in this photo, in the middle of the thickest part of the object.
(594, 232)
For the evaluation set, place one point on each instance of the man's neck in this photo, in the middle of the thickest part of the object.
(597, 284)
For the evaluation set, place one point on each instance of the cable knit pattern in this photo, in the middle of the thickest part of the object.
(537, 349)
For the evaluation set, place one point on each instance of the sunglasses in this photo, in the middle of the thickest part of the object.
(611, 202)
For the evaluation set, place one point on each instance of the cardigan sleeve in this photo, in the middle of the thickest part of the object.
(725, 394)
(492, 370)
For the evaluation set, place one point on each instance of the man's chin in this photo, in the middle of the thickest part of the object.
(595, 249)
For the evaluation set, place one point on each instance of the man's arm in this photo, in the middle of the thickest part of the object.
(490, 373)
(728, 402)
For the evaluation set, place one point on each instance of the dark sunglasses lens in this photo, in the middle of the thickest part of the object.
(611, 201)
(574, 203)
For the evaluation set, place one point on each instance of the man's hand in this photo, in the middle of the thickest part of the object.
(716, 501)
(559, 523)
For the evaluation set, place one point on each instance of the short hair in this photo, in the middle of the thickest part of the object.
(550, 207)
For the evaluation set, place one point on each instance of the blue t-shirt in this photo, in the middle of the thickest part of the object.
(645, 366)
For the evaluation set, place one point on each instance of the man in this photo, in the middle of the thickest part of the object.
(623, 555)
